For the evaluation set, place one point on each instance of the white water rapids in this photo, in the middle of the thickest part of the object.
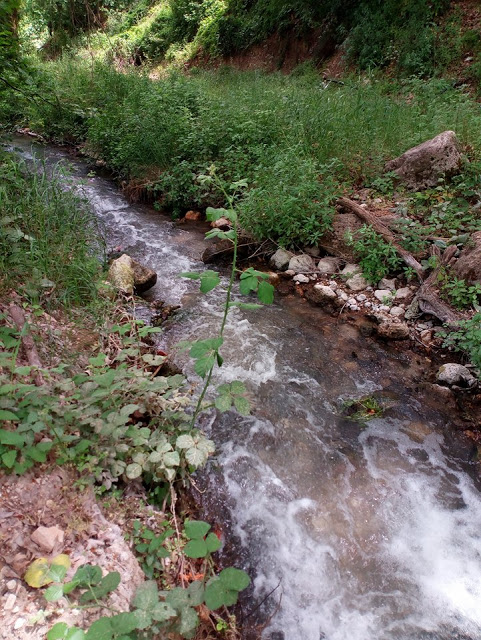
(371, 533)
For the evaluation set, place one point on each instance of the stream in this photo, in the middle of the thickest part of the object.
(357, 532)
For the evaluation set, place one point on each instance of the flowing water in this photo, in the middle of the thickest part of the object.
(367, 533)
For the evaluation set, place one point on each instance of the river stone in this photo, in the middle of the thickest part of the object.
(144, 277)
(280, 259)
(381, 294)
(397, 312)
(403, 293)
(321, 293)
(468, 265)
(452, 373)
(301, 278)
(422, 166)
(121, 274)
(390, 327)
(328, 265)
(386, 283)
(301, 263)
(357, 282)
(351, 269)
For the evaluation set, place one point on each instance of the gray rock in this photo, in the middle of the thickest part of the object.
(280, 259)
(328, 265)
(413, 310)
(10, 602)
(384, 307)
(382, 294)
(342, 295)
(290, 272)
(452, 373)
(385, 283)
(357, 282)
(301, 263)
(361, 297)
(402, 294)
(144, 277)
(391, 328)
(351, 269)
(397, 312)
(333, 284)
(468, 265)
(322, 293)
(315, 252)
(422, 166)
(301, 278)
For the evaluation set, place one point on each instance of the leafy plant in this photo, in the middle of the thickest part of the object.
(376, 257)
(150, 547)
(363, 409)
(459, 292)
(466, 337)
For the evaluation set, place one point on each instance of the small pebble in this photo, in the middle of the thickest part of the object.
(19, 622)
(398, 312)
(301, 278)
(10, 602)
(11, 585)
(361, 297)
(333, 284)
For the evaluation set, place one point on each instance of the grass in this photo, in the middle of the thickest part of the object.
(50, 247)
(297, 142)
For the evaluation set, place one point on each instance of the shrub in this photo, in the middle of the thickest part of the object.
(376, 257)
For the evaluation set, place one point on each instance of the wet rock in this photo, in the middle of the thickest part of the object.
(301, 278)
(321, 294)
(280, 259)
(386, 283)
(452, 373)
(383, 294)
(144, 277)
(357, 282)
(193, 216)
(422, 166)
(221, 223)
(390, 327)
(48, 538)
(301, 263)
(328, 265)
(121, 274)
(468, 265)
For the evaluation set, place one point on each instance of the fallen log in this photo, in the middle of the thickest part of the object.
(382, 229)
(18, 317)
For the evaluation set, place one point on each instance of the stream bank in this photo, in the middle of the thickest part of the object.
(321, 504)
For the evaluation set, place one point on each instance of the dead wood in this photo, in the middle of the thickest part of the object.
(18, 317)
(382, 229)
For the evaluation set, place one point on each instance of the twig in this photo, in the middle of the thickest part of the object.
(263, 600)
(28, 344)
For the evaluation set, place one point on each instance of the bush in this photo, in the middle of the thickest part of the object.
(376, 257)
(467, 338)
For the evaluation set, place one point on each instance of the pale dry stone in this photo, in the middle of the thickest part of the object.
(422, 166)
(280, 259)
(328, 265)
(48, 538)
(302, 263)
(452, 373)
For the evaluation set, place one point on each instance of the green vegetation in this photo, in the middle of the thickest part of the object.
(467, 338)
(376, 257)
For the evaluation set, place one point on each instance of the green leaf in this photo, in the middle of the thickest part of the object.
(57, 572)
(196, 549)
(217, 595)
(171, 459)
(162, 611)
(36, 454)
(53, 593)
(223, 402)
(62, 631)
(133, 470)
(242, 405)
(237, 387)
(209, 280)
(184, 442)
(196, 529)
(201, 347)
(188, 621)
(235, 579)
(213, 543)
(196, 456)
(101, 629)
(11, 437)
(124, 622)
(246, 306)
(146, 596)
(203, 365)
(248, 284)
(87, 575)
(9, 458)
(143, 619)
(212, 214)
(190, 274)
(196, 592)
(108, 584)
(68, 587)
(8, 415)
(265, 292)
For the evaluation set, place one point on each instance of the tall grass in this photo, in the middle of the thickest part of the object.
(49, 243)
(296, 140)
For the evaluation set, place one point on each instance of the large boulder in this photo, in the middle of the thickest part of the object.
(468, 265)
(422, 166)
(127, 275)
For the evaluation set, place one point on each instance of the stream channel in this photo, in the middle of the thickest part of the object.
(368, 533)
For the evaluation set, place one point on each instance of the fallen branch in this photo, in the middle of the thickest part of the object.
(427, 296)
(18, 317)
(382, 229)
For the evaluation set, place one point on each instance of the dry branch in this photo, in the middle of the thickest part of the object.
(382, 229)
(18, 317)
